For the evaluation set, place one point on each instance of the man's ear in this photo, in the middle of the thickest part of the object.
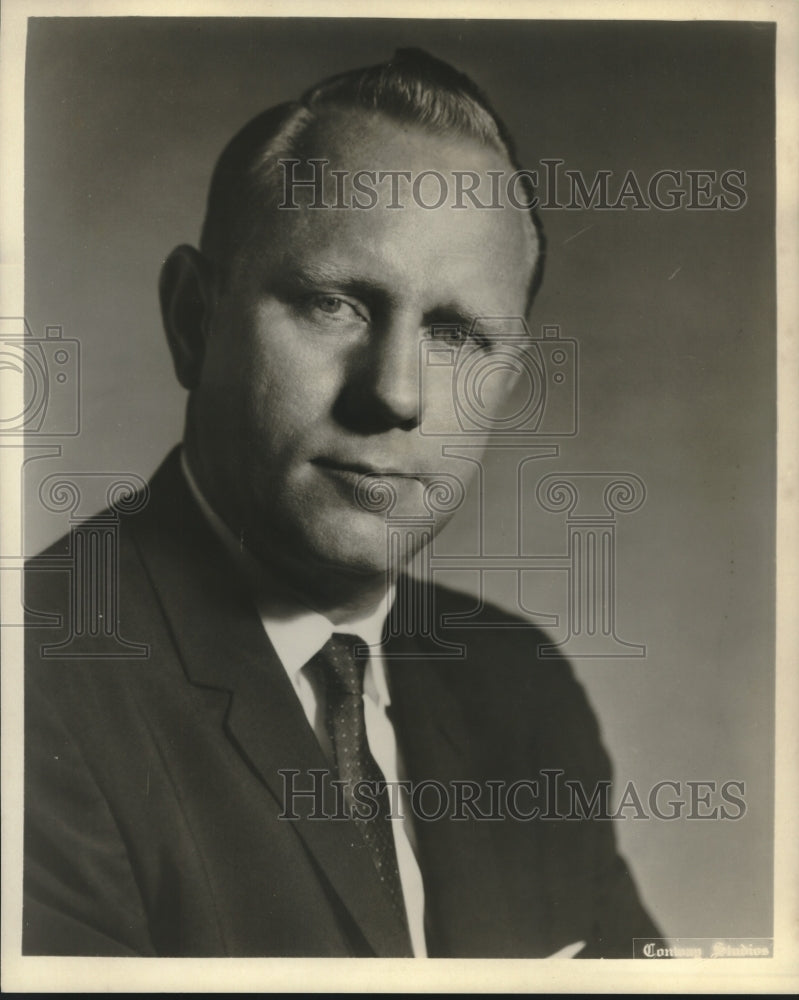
(186, 291)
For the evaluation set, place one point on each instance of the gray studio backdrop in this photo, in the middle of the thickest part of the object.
(673, 313)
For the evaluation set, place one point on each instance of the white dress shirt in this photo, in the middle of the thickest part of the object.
(297, 633)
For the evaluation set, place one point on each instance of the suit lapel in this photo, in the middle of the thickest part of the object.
(483, 889)
(223, 646)
(464, 904)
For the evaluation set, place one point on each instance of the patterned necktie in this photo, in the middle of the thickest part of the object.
(342, 675)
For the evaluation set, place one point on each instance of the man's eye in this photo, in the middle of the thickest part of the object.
(450, 333)
(329, 304)
(458, 333)
(338, 308)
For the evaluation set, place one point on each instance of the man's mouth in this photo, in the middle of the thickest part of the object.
(374, 487)
(362, 469)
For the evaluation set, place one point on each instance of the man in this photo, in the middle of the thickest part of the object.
(234, 792)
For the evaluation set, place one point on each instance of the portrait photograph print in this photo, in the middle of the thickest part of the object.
(398, 472)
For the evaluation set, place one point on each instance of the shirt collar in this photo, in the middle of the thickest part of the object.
(299, 632)
(296, 631)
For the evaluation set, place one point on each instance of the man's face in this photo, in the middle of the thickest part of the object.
(313, 373)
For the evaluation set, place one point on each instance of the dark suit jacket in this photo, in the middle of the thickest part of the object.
(153, 793)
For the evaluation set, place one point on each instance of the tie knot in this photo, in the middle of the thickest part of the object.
(343, 671)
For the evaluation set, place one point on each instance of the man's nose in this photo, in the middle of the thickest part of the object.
(383, 392)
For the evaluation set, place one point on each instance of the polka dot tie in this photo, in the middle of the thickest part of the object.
(342, 676)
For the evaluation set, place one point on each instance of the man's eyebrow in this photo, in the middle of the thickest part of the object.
(313, 275)
(454, 314)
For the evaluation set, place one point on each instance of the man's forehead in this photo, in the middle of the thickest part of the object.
(361, 139)
(394, 203)
(354, 162)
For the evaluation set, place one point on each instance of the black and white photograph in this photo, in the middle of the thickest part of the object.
(398, 497)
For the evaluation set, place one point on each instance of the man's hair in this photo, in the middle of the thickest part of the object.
(413, 87)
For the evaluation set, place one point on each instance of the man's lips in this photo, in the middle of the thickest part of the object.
(378, 488)
(364, 469)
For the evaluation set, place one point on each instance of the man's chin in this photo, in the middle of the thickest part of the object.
(336, 550)
(360, 546)
(362, 552)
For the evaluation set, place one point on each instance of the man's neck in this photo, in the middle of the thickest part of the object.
(338, 596)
